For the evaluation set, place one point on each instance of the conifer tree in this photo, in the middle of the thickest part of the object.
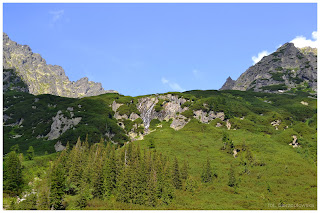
(176, 176)
(58, 181)
(151, 189)
(184, 170)
(167, 187)
(110, 174)
(12, 173)
(207, 174)
(15, 148)
(57, 186)
(75, 170)
(30, 153)
(97, 176)
(43, 192)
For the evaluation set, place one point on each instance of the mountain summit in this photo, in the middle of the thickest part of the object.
(287, 69)
(30, 70)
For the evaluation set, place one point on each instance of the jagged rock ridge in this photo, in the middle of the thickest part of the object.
(40, 77)
(286, 69)
(228, 85)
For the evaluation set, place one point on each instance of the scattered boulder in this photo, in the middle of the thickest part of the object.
(114, 106)
(59, 147)
(228, 125)
(235, 152)
(205, 117)
(304, 103)
(179, 122)
(294, 143)
(133, 116)
(276, 123)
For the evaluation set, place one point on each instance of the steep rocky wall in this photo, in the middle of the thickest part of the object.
(43, 78)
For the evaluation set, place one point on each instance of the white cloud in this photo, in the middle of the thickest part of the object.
(56, 15)
(301, 41)
(314, 35)
(195, 72)
(256, 59)
(174, 86)
(164, 81)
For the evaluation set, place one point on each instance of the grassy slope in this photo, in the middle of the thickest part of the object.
(291, 178)
(288, 175)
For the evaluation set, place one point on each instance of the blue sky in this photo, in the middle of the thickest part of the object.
(141, 49)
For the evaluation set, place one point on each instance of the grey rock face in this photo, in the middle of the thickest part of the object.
(287, 68)
(11, 81)
(179, 122)
(43, 78)
(205, 117)
(171, 109)
(59, 147)
(228, 85)
(61, 124)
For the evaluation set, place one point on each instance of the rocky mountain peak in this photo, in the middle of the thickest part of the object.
(287, 69)
(228, 85)
(40, 77)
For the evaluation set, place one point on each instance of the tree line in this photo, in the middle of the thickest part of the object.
(103, 171)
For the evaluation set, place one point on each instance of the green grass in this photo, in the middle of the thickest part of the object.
(277, 174)
(291, 177)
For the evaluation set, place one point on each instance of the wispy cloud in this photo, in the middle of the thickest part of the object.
(256, 59)
(56, 15)
(197, 74)
(173, 85)
(301, 41)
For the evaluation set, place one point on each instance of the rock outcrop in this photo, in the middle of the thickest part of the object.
(61, 124)
(294, 143)
(229, 84)
(59, 147)
(285, 69)
(171, 109)
(38, 77)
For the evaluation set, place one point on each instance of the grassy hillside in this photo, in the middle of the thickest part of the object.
(268, 172)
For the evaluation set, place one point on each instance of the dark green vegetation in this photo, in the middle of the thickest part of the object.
(193, 168)
(37, 113)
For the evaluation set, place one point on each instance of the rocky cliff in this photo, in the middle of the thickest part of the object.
(228, 85)
(166, 107)
(287, 69)
(40, 77)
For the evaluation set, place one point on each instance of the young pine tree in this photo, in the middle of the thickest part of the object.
(184, 170)
(176, 176)
(207, 174)
(30, 153)
(12, 173)
(232, 178)
(57, 183)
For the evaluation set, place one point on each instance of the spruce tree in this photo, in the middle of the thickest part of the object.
(232, 179)
(30, 153)
(184, 170)
(151, 189)
(57, 185)
(12, 173)
(207, 174)
(110, 174)
(176, 176)
(43, 192)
